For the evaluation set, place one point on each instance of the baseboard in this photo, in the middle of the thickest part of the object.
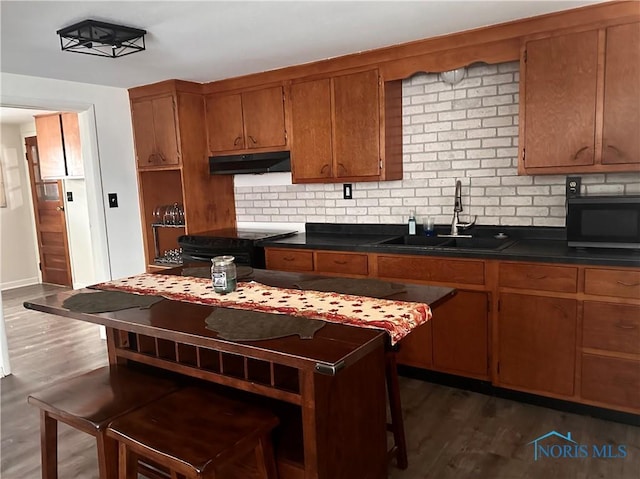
(19, 283)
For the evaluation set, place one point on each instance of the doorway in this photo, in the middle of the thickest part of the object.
(51, 226)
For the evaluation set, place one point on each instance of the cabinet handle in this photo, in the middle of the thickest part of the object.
(237, 141)
(324, 167)
(626, 326)
(622, 283)
(541, 276)
(151, 158)
(616, 150)
(340, 165)
(288, 258)
(575, 157)
(253, 139)
(339, 262)
(162, 158)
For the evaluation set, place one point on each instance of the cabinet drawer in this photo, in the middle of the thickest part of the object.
(611, 380)
(289, 259)
(611, 326)
(542, 277)
(612, 282)
(330, 262)
(431, 269)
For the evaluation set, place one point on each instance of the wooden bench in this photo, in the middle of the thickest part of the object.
(196, 433)
(89, 402)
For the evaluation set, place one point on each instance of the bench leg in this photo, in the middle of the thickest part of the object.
(48, 445)
(395, 405)
(265, 459)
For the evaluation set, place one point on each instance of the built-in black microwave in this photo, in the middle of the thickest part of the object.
(603, 222)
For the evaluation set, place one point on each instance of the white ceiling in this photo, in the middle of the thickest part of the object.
(19, 116)
(210, 40)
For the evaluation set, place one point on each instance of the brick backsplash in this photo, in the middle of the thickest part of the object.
(468, 131)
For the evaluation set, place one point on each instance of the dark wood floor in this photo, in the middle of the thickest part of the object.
(452, 433)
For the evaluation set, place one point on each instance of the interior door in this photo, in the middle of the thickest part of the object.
(51, 227)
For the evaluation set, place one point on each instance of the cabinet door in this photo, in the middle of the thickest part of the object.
(72, 149)
(460, 335)
(50, 149)
(263, 115)
(144, 136)
(560, 100)
(415, 348)
(356, 128)
(224, 123)
(537, 343)
(621, 122)
(166, 132)
(311, 124)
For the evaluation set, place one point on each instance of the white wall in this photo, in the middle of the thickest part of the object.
(78, 232)
(107, 147)
(467, 131)
(18, 246)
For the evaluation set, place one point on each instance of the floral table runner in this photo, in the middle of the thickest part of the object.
(398, 318)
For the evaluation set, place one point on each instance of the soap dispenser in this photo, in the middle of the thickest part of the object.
(412, 222)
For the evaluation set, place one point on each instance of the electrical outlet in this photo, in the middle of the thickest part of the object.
(113, 200)
(573, 186)
(347, 191)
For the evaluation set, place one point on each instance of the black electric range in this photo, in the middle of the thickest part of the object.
(237, 242)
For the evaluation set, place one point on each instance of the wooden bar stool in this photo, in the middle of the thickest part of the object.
(195, 433)
(89, 402)
(396, 426)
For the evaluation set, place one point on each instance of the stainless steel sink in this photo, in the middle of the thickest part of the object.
(435, 242)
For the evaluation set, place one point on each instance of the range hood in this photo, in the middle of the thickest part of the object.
(250, 163)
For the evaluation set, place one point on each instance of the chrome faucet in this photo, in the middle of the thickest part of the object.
(457, 209)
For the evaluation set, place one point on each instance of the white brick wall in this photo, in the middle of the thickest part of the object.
(469, 132)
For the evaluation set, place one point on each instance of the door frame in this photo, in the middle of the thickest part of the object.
(92, 174)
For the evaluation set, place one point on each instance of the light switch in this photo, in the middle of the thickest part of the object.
(113, 200)
(347, 191)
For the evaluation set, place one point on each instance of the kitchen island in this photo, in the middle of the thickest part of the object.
(329, 390)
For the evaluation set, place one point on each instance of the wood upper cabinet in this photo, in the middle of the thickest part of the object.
(246, 121)
(579, 102)
(560, 75)
(537, 343)
(342, 129)
(621, 122)
(59, 146)
(155, 131)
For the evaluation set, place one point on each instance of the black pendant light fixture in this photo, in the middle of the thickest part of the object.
(101, 38)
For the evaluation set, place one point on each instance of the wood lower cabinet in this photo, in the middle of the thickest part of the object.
(537, 339)
(250, 120)
(560, 330)
(611, 381)
(289, 259)
(460, 335)
(346, 128)
(416, 349)
(579, 98)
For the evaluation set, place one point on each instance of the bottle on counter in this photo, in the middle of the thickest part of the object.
(412, 222)
(223, 274)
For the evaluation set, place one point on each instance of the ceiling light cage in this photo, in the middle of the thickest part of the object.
(101, 38)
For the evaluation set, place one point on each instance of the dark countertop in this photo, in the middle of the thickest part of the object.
(538, 244)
